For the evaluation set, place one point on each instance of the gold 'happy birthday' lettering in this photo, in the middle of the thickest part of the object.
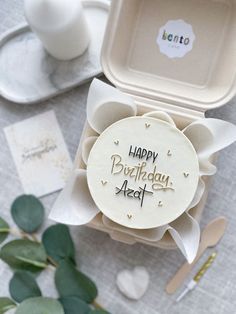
(159, 180)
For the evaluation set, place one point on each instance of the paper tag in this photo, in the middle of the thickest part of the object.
(40, 154)
(176, 38)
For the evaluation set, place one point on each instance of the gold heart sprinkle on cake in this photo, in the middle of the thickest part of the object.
(147, 125)
(169, 153)
(186, 174)
(103, 182)
(129, 216)
(116, 142)
(160, 204)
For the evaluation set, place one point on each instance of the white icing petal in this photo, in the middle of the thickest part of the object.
(209, 136)
(160, 115)
(199, 194)
(206, 167)
(87, 146)
(133, 283)
(200, 136)
(186, 233)
(74, 206)
(106, 105)
(151, 235)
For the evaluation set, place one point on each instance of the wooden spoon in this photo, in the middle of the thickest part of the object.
(210, 236)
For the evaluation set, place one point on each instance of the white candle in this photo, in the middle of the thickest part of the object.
(60, 25)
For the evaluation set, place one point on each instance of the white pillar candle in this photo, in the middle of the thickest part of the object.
(60, 25)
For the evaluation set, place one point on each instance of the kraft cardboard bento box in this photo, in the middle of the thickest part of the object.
(171, 55)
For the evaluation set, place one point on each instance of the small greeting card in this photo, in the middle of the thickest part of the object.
(40, 153)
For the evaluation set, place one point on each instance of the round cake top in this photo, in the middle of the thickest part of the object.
(142, 172)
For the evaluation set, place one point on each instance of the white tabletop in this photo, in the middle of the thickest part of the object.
(101, 257)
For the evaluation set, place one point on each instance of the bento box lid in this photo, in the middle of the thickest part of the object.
(173, 51)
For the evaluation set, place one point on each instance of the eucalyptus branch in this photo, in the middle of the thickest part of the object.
(56, 251)
(21, 234)
(18, 233)
(52, 262)
(24, 235)
(34, 237)
(97, 305)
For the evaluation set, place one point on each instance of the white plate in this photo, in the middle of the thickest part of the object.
(29, 75)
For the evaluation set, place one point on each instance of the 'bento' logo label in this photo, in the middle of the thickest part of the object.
(175, 39)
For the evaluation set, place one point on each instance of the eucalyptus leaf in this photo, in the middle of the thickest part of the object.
(23, 286)
(74, 305)
(24, 255)
(4, 230)
(71, 282)
(58, 243)
(6, 304)
(40, 305)
(28, 213)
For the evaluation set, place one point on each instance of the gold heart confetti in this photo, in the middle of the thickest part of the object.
(103, 182)
(116, 142)
(147, 125)
(186, 174)
(160, 204)
(169, 153)
(129, 216)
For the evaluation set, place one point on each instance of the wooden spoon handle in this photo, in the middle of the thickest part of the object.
(182, 273)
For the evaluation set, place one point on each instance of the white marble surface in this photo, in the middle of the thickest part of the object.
(101, 257)
(28, 74)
